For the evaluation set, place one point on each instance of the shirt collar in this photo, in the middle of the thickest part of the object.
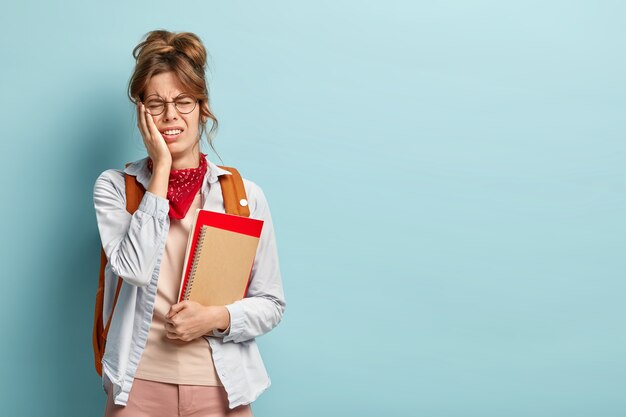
(140, 169)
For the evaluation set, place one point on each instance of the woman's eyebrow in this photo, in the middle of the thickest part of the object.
(161, 97)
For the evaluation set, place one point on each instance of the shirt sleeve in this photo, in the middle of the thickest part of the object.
(263, 307)
(131, 242)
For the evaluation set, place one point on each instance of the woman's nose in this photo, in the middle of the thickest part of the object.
(170, 111)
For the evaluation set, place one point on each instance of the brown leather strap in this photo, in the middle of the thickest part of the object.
(234, 193)
(134, 193)
(98, 340)
(103, 259)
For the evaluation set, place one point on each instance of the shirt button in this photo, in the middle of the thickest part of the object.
(243, 202)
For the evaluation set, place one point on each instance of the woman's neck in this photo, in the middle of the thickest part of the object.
(191, 160)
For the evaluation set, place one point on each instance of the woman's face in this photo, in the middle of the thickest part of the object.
(165, 86)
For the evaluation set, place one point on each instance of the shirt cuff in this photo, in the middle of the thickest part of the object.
(154, 205)
(236, 319)
(221, 334)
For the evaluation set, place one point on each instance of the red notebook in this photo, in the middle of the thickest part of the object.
(219, 257)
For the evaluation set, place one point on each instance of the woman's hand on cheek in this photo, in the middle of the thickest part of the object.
(152, 138)
(189, 320)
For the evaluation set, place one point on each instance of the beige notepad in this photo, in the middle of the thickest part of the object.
(221, 266)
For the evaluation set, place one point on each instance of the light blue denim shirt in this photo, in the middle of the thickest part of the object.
(134, 246)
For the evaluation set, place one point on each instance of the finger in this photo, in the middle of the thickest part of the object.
(175, 309)
(141, 120)
(152, 127)
(147, 120)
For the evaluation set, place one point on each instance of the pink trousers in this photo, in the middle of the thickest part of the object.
(152, 398)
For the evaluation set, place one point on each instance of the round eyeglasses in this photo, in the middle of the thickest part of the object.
(184, 103)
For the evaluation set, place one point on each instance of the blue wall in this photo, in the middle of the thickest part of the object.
(447, 182)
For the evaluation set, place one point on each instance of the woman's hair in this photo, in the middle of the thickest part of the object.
(182, 53)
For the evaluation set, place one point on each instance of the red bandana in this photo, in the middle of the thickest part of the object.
(183, 186)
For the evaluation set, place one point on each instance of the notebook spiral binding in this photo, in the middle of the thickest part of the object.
(194, 265)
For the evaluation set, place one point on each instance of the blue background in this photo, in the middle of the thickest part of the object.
(447, 183)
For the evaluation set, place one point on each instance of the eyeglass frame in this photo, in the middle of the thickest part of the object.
(165, 103)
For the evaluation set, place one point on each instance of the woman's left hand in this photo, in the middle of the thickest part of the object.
(189, 320)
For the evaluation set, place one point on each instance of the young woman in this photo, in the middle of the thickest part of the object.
(163, 357)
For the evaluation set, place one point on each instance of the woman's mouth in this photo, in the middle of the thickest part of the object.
(172, 134)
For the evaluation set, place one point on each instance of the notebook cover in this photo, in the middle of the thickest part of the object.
(226, 257)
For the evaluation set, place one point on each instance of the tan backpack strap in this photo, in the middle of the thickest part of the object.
(234, 193)
(134, 194)
(98, 332)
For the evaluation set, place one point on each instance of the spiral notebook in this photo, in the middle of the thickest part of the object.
(219, 257)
